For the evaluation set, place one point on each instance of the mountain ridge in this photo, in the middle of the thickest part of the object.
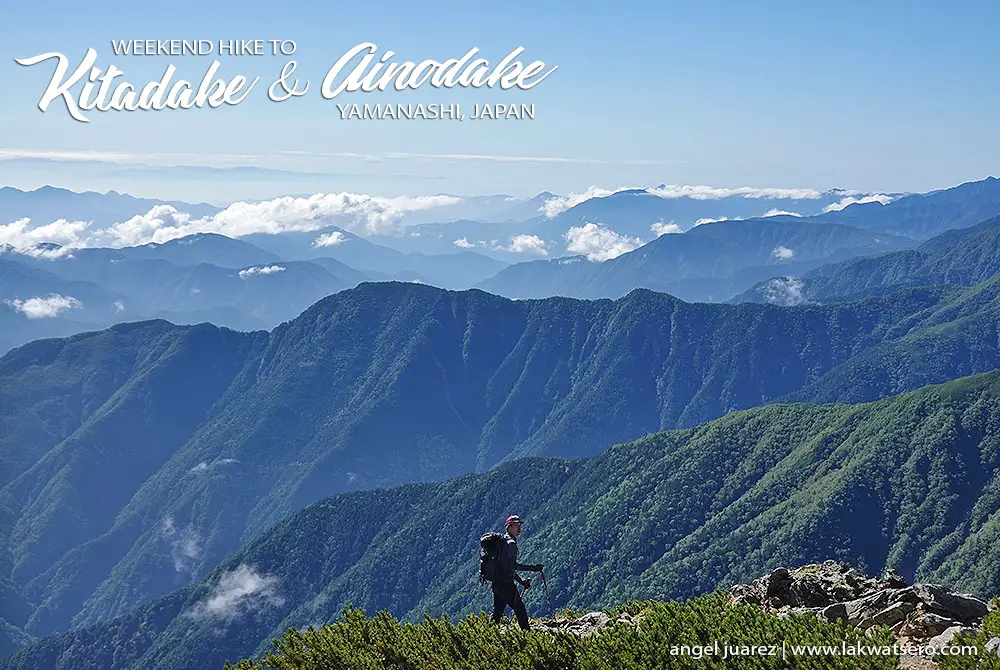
(395, 382)
(671, 515)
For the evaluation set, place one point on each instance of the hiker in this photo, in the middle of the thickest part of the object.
(504, 591)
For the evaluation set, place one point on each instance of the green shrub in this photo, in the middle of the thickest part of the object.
(357, 642)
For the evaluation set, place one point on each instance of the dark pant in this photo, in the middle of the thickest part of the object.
(505, 594)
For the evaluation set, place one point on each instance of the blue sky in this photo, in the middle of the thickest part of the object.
(886, 96)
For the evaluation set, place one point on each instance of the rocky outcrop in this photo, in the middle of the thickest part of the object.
(918, 614)
(836, 592)
(588, 624)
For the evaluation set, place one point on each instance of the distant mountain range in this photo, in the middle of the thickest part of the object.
(201, 278)
(924, 215)
(966, 256)
(709, 263)
(454, 268)
(906, 483)
(260, 280)
(714, 266)
(633, 212)
(630, 213)
(48, 204)
(89, 289)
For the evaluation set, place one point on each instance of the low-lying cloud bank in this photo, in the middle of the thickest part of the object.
(363, 214)
(882, 198)
(560, 204)
(518, 244)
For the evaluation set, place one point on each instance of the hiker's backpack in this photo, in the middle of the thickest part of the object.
(490, 546)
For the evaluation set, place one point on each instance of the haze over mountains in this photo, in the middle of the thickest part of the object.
(390, 383)
(283, 255)
(155, 471)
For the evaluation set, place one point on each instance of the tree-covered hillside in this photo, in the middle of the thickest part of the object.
(139, 457)
(908, 482)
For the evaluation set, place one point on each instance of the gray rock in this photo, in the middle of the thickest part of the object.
(964, 607)
(588, 624)
(904, 595)
(834, 593)
(890, 616)
(865, 607)
(947, 638)
(594, 619)
(993, 645)
(927, 625)
(778, 583)
(810, 591)
(834, 612)
(893, 580)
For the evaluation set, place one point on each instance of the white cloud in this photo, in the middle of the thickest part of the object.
(526, 244)
(671, 191)
(702, 222)
(44, 308)
(24, 237)
(599, 243)
(182, 159)
(559, 204)
(204, 466)
(118, 306)
(366, 214)
(851, 200)
(372, 215)
(261, 270)
(464, 243)
(330, 239)
(240, 590)
(45, 252)
(661, 228)
(127, 157)
(498, 158)
(185, 544)
(518, 244)
(782, 253)
(785, 291)
(779, 212)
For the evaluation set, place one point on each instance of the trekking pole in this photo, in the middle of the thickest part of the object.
(547, 596)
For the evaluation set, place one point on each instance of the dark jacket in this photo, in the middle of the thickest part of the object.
(508, 561)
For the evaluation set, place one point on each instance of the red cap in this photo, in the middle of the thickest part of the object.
(512, 519)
